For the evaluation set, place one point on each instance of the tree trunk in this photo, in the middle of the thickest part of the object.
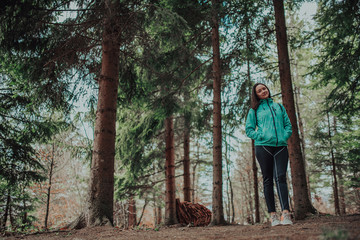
(254, 166)
(256, 184)
(132, 213)
(124, 215)
(49, 188)
(159, 215)
(341, 182)
(217, 196)
(12, 218)
(232, 203)
(302, 203)
(333, 164)
(250, 198)
(193, 183)
(302, 136)
(25, 213)
(186, 163)
(227, 204)
(7, 209)
(342, 194)
(231, 207)
(194, 172)
(247, 198)
(170, 198)
(101, 191)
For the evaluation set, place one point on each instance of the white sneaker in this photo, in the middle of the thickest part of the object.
(286, 219)
(274, 220)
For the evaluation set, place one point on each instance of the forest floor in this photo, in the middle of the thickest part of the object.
(315, 227)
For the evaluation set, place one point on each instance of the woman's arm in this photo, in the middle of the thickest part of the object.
(250, 127)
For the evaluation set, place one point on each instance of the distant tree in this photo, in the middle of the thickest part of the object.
(334, 168)
(186, 163)
(50, 179)
(337, 36)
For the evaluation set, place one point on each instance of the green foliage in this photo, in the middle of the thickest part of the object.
(249, 39)
(151, 89)
(34, 87)
(338, 39)
(19, 204)
(136, 128)
(23, 123)
(337, 234)
(348, 150)
(343, 142)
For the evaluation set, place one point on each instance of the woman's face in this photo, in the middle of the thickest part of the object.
(261, 91)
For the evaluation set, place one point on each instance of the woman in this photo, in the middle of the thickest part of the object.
(268, 124)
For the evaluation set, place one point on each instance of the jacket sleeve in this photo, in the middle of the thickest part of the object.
(287, 123)
(251, 126)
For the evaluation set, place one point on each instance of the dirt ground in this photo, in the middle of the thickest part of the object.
(316, 227)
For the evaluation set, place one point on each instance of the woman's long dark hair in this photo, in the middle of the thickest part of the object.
(255, 100)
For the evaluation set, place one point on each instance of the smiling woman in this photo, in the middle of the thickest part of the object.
(262, 91)
(268, 124)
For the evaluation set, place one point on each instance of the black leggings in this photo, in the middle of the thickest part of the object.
(273, 163)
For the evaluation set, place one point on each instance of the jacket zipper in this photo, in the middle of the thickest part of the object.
(272, 114)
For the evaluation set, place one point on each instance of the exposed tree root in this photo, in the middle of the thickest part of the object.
(78, 223)
(81, 222)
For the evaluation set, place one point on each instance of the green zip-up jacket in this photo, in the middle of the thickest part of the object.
(272, 122)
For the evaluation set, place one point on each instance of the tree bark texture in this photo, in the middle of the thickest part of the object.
(217, 197)
(302, 203)
(132, 212)
(186, 163)
(101, 192)
(159, 215)
(170, 198)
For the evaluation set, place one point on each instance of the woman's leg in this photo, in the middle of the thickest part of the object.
(281, 159)
(266, 162)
